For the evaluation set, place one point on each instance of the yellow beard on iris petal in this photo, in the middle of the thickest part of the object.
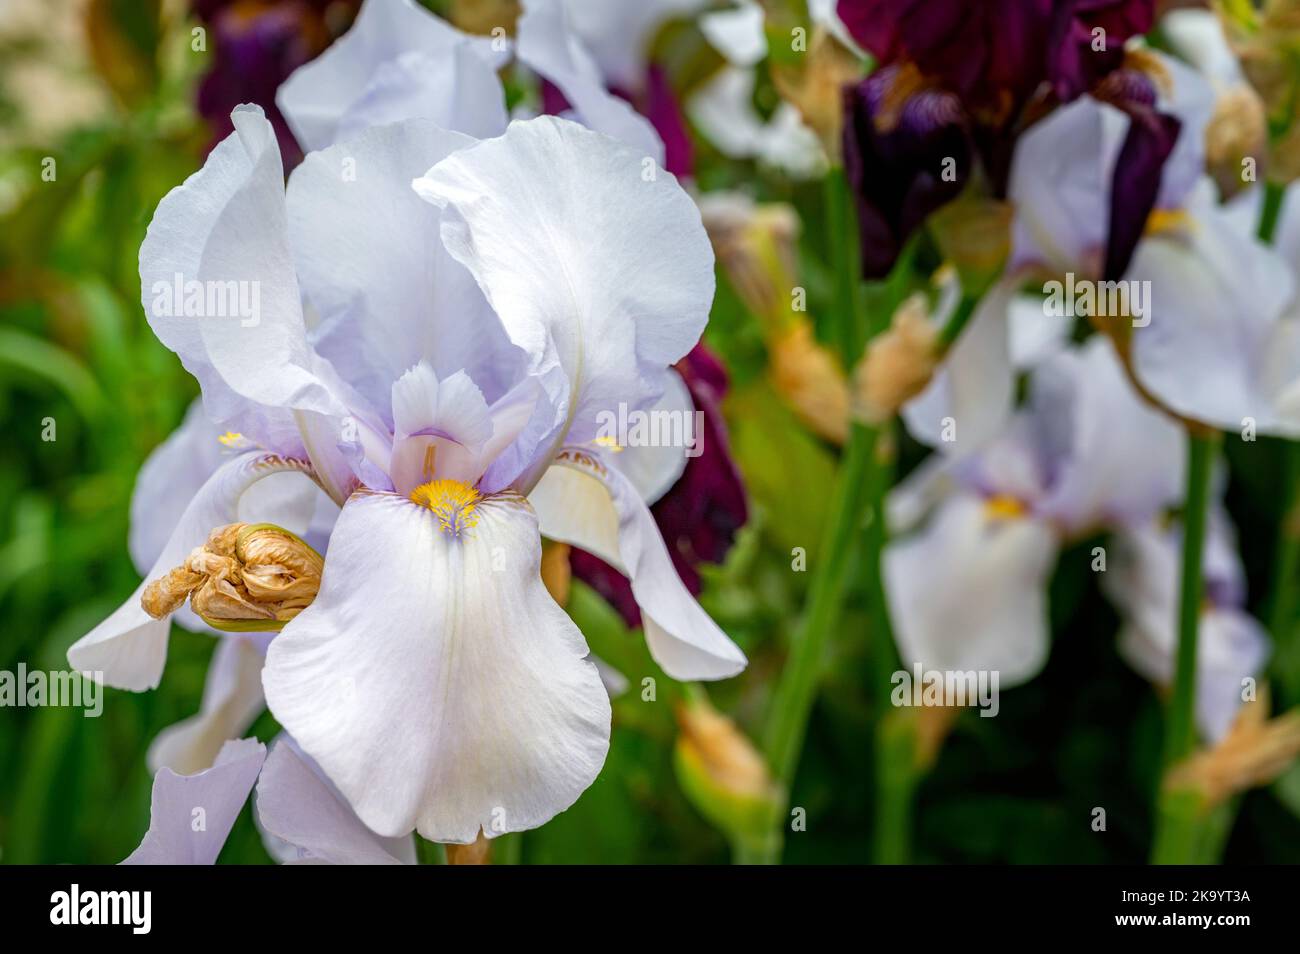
(451, 501)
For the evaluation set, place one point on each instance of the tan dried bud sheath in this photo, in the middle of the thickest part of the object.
(809, 377)
(245, 578)
(898, 364)
(1255, 751)
(714, 744)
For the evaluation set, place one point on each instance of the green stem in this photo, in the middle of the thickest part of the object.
(842, 241)
(895, 744)
(1274, 194)
(1180, 731)
(957, 323)
(896, 779)
(1285, 606)
(1177, 812)
(792, 701)
(795, 691)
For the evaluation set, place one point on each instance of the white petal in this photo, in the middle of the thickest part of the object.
(319, 94)
(1060, 187)
(1215, 301)
(1143, 581)
(590, 504)
(129, 648)
(737, 33)
(218, 794)
(224, 231)
(549, 46)
(168, 480)
(232, 701)
(435, 680)
(306, 820)
(969, 592)
(619, 34)
(975, 387)
(372, 261)
(654, 468)
(1192, 102)
(723, 110)
(1117, 459)
(588, 265)
(456, 89)
(1197, 36)
(1035, 335)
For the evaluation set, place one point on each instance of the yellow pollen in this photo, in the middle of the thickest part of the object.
(451, 501)
(1003, 507)
(606, 441)
(231, 438)
(1168, 222)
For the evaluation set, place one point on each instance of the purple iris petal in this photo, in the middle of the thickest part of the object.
(661, 107)
(1077, 65)
(700, 515)
(995, 54)
(990, 53)
(554, 102)
(896, 168)
(1135, 185)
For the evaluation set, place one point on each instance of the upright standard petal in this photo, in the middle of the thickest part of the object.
(365, 63)
(549, 46)
(595, 261)
(371, 259)
(587, 502)
(434, 679)
(130, 647)
(213, 797)
(219, 288)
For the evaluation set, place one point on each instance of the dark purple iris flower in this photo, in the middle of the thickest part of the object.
(901, 167)
(700, 514)
(990, 53)
(255, 45)
(958, 81)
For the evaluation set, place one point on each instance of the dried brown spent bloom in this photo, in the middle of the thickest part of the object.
(757, 247)
(815, 87)
(246, 577)
(1238, 130)
(810, 379)
(1255, 751)
(898, 363)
